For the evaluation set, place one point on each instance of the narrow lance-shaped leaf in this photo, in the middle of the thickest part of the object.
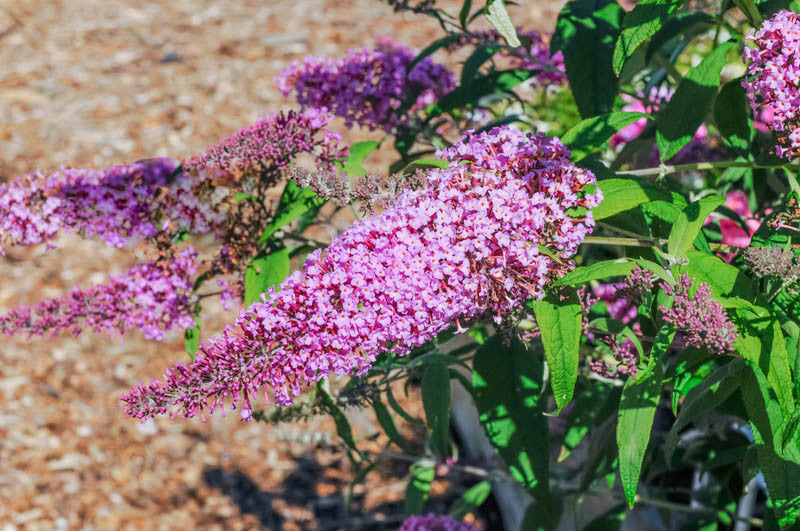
(589, 135)
(689, 223)
(436, 401)
(509, 399)
(586, 31)
(709, 394)
(560, 322)
(497, 14)
(419, 487)
(637, 408)
(471, 500)
(684, 112)
(359, 151)
(598, 270)
(265, 271)
(294, 202)
(620, 195)
(191, 338)
(640, 24)
(732, 115)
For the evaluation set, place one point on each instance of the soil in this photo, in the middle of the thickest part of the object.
(91, 83)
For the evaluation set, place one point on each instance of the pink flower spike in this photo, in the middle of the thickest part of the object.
(395, 280)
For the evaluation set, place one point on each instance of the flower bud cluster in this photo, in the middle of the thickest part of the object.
(273, 142)
(773, 77)
(703, 319)
(369, 86)
(469, 243)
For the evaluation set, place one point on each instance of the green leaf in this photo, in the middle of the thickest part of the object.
(509, 399)
(436, 401)
(294, 202)
(781, 473)
(639, 25)
(342, 425)
(589, 135)
(725, 280)
(599, 270)
(264, 271)
(497, 15)
(586, 31)
(479, 56)
(593, 404)
(463, 15)
(620, 195)
(191, 338)
(359, 151)
(386, 422)
(732, 115)
(686, 24)
(419, 487)
(750, 11)
(471, 500)
(702, 399)
(560, 324)
(761, 341)
(689, 223)
(684, 112)
(637, 408)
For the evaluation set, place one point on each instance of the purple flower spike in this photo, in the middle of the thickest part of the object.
(118, 204)
(465, 245)
(435, 522)
(273, 142)
(367, 86)
(153, 297)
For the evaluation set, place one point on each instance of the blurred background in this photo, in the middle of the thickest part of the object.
(98, 83)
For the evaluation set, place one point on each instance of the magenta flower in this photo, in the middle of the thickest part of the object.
(773, 76)
(702, 319)
(435, 522)
(368, 86)
(465, 245)
(118, 204)
(153, 297)
(273, 142)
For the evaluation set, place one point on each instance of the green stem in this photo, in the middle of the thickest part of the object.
(677, 168)
(623, 242)
(638, 242)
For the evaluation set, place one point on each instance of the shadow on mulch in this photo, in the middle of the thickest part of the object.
(300, 489)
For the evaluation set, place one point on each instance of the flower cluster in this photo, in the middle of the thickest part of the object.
(153, 297)
(435, 522)
(369, 86)
(772, 261)
(466, 244)
(703, 319)
(626, 359)
(118, 204)
(273, 142)
(534, 54)
(773, 76)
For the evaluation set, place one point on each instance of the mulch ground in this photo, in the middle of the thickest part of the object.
(90, 83)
